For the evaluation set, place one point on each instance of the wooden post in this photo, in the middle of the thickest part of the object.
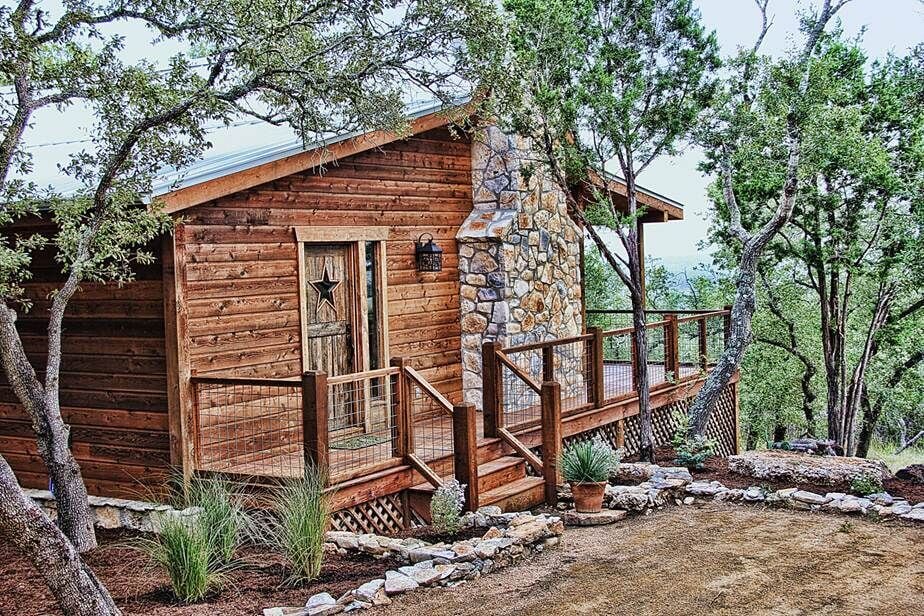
(596, 395)
(551, 438)
(633, 361)
(314, 419)
(726, 322)
(465, 445)
(672, 346)
(737, 418)
(403, 417)
(548, 363)
(620, 433)
(492, 389)
(703, 346)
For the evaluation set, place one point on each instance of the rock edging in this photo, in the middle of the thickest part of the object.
(114, 513)
(660, 486)
(508, 538)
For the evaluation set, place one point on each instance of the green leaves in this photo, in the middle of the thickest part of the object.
(321, 67)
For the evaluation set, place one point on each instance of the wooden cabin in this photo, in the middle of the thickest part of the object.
(301, 314)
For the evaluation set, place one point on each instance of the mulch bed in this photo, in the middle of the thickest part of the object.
(138, 587)
(431, 534)
(716, 469)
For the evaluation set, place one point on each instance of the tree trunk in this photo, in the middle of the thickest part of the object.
(52, 436)
(742, 313)
(23, 524)
(640, 340)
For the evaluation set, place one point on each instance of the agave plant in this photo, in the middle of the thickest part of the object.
(588, 462)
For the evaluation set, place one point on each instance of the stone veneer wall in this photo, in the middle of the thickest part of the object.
(519, 256)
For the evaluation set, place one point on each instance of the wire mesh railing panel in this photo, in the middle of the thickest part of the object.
(249, 428)
(657, 354)
(521, 403)
(432, 424)
(617, 364)
(688, 349)
(362, 422)
(573, 371)
(715, 338)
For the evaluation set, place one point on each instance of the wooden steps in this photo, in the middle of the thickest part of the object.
(502, 482)
(519, 495)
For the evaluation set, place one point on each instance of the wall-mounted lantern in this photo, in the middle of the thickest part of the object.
(429, 255)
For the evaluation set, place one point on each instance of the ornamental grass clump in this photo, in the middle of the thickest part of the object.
(225, 521)
(185, 550)
(589, 462)
(300, 519)
(446, 507)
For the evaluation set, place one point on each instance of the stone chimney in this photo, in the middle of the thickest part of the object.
(519, 256)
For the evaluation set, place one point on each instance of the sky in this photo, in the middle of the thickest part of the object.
(891, 25)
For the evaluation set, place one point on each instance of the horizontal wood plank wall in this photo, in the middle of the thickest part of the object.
(242, 267)
(113, 383)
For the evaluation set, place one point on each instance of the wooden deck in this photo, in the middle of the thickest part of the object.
(432, 436)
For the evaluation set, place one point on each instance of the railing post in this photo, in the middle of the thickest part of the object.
(551, 438)
(726, 326)
(672, 347)
(404, 445)
(492, 389)
(548, 363)
(314, 420)
(596, 395)
(703, 344)
(633, 361)
(465, 445)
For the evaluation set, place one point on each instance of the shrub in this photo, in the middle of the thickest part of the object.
(690, 451)
(301, 516)
(693, 452)
(588, 462)
(446, 507)
(866, 484)
(185, 551)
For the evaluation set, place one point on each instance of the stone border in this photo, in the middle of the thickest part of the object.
(113, 513)
(660, 486)
(509, 538)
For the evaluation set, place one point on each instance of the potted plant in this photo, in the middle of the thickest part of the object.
(587, 466)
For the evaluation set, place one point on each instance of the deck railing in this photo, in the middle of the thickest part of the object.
(351, 425)
(534, 385)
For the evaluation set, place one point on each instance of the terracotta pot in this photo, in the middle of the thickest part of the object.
(588, 497)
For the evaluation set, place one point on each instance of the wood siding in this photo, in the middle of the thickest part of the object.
(241, 269)
(113, 383)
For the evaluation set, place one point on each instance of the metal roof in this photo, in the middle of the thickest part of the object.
(220, 165)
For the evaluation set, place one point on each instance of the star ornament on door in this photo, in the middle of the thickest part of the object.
(325, 288)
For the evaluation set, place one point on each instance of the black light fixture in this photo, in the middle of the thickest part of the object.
(429, 255)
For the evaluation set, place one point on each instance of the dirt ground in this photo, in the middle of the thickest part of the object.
(709, 559)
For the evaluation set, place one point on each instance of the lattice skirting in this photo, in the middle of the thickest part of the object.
(384, 515)
(721, 426)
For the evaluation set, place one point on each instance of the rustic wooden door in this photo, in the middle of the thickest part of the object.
(332, 329)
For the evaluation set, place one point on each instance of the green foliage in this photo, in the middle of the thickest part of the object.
(690, 451)
(866, 484)
(223, 517)
(590, 461)
(446, 507)
(319, 67)
(300, 518)
(185, 549)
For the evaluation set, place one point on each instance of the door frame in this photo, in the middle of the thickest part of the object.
(356, 238)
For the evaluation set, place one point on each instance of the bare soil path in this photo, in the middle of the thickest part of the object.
(710, 559)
